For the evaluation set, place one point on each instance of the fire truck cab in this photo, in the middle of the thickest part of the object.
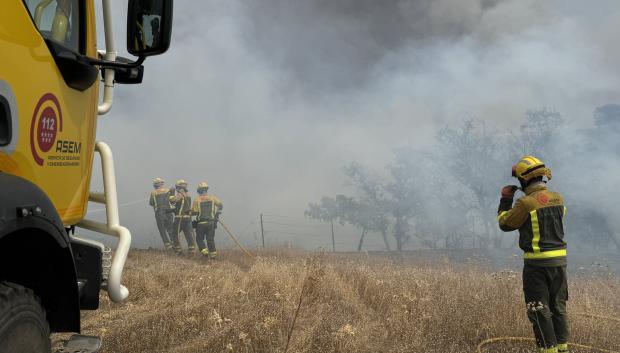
(50, 73)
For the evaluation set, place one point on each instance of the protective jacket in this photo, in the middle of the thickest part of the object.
(182, 204)
(539, 217)
(206, 208)
(159, 200)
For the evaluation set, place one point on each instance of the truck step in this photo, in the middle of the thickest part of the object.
(80, 344)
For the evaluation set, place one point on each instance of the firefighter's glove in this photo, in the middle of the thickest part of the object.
(194, 224)
(508, 191)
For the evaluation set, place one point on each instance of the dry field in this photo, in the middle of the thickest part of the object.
(349, 303)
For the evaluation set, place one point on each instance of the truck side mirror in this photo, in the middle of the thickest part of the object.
(149, 27)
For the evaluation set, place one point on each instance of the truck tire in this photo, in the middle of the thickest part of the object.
(23, 328)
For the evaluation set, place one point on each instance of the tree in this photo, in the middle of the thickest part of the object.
(328, 210)
(590, 227)
(607, 129)
(475, 158)
(417, 197)
(538, 133)
(607, 117)
(404, 187)
(371, 197)
(364, 216)
(590, 175)
(347, 210)
(432, 200)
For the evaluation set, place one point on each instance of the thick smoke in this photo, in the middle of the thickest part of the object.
(328, 46)
(268, 99)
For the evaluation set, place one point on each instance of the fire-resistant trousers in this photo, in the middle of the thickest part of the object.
(546, 293)
(183, 224)
(206, 230)
(164, 225)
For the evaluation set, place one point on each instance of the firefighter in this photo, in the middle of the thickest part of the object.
(207, 209)
(160, 201)
(539, 217)
(182, 202)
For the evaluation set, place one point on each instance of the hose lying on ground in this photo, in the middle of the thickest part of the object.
(531, 339)
(245, 251)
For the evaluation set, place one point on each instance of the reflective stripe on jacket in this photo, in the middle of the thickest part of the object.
(159, 199)
(206, 208)
(539, 217)
(182, 205)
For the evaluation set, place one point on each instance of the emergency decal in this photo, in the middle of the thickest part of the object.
(542, 199)
(48, 149)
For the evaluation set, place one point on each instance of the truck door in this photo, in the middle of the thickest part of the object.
(53, 96)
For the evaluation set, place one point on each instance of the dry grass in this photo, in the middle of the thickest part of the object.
(349, 303)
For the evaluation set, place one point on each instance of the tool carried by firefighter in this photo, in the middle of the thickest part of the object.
(539, 217)
(207, 209)
(49, 101)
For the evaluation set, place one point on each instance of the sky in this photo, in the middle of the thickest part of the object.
(267, 100)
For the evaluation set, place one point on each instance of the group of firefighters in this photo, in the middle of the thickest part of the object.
(175, 213)
(538, 216)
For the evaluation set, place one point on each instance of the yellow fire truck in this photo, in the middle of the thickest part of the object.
(50, 68)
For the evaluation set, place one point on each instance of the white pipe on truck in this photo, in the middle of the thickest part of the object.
(116, 291)
(110, 55)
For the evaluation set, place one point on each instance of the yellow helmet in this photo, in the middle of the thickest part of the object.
(181, 184)
(202, 187)
(157, 182)
(530, 167)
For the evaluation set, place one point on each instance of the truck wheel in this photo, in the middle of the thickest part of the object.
(23, 328)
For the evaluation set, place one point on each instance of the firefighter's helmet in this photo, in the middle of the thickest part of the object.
(181, 184)
(158, 182)
(530, 167)
(202, 187)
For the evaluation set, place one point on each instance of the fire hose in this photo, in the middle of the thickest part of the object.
(245, 251)
(531, 339)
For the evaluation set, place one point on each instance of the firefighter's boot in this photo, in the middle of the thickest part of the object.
(167, 246)
(191, 251)
(548, 350)
(205, 252)
(563, 348)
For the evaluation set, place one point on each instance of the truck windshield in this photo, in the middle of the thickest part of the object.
(58, 20)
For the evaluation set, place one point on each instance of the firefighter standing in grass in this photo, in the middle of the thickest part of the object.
(207, 209)
(182, 217)
(159, 200)
(539, 217)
